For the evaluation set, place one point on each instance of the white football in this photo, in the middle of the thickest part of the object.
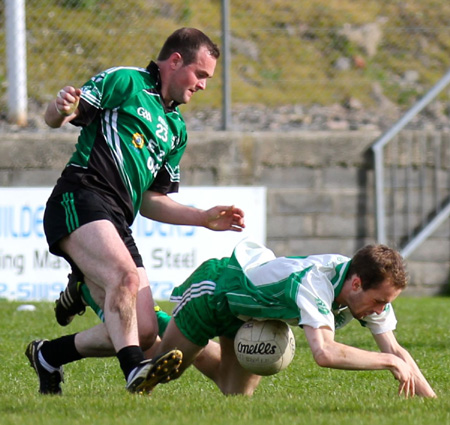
(264, 347)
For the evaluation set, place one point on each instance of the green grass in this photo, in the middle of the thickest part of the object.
(303, 394)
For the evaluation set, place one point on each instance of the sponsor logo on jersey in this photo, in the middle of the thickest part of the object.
(142, 112)
(322, 307)
(138, 140)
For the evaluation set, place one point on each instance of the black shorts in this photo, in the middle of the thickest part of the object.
(67, 211)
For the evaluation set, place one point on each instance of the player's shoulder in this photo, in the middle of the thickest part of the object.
(126, 70)
(321, 260)
(122, 73)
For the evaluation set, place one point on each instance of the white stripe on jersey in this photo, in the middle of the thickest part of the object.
(341, 276)
(117, 68)
(254, 305)
(91, 99)
(113, 140)
(174, 173)
(96, 101)
(195, 291)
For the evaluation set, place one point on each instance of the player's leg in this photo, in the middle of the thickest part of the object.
(70, 301)
(47, 357)
(216, 361)
(95, 342)
(98, 243)
(196, 321)
(233, 378)
(77, 295)
(101, 255)
(174, 338)
(145, 310)
(208, 361)
(85, 230)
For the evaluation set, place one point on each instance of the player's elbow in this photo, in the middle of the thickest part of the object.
(323, 357)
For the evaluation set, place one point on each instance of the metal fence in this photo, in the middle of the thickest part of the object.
(359, 54)
(412, 180)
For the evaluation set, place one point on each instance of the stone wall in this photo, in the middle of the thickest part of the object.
(320, 195)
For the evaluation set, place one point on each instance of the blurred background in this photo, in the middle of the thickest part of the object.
(313, 64)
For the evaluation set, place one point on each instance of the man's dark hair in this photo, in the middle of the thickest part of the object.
(376, 263)
(187, 42)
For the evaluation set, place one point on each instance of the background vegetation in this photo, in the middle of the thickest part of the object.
(283, 51)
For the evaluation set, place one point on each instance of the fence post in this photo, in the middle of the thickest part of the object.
(16, 61)
(226, 81)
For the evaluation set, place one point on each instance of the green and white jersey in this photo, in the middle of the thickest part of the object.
(129, 142)
(298, 290)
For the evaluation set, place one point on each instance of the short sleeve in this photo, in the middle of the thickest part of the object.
(163, 184)
(103, 91)
(108, 89)
(314, 300)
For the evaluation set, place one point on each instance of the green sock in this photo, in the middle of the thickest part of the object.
(86, 295)
(163, 320)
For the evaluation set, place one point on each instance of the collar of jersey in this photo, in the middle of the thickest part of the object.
(153, 69)
(339, 279)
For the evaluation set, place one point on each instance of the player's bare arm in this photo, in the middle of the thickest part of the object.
(389, 344)
(329, 353)
(160, 207)
(64, 108)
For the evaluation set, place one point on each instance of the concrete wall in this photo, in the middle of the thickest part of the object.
(319, 186)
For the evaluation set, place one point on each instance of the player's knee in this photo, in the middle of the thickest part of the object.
(231, 389)
(130, 280)
(128, 284)
(245, 384)
(123, 292)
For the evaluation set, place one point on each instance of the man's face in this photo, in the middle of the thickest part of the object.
(186, 80)
(363, 303)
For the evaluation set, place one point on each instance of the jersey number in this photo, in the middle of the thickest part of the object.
(161, 132)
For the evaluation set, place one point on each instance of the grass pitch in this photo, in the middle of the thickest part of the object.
(94, 393)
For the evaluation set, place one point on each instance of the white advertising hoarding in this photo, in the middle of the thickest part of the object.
(28, 272)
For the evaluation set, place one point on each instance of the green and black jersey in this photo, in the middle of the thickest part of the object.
(129, 142)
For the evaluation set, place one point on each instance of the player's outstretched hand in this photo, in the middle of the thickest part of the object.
(407, 388)
(404, 374)
(225, 218)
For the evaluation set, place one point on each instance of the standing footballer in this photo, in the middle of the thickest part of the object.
(126, 162)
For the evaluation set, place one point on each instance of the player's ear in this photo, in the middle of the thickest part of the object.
(356, 282)
(176, 60)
